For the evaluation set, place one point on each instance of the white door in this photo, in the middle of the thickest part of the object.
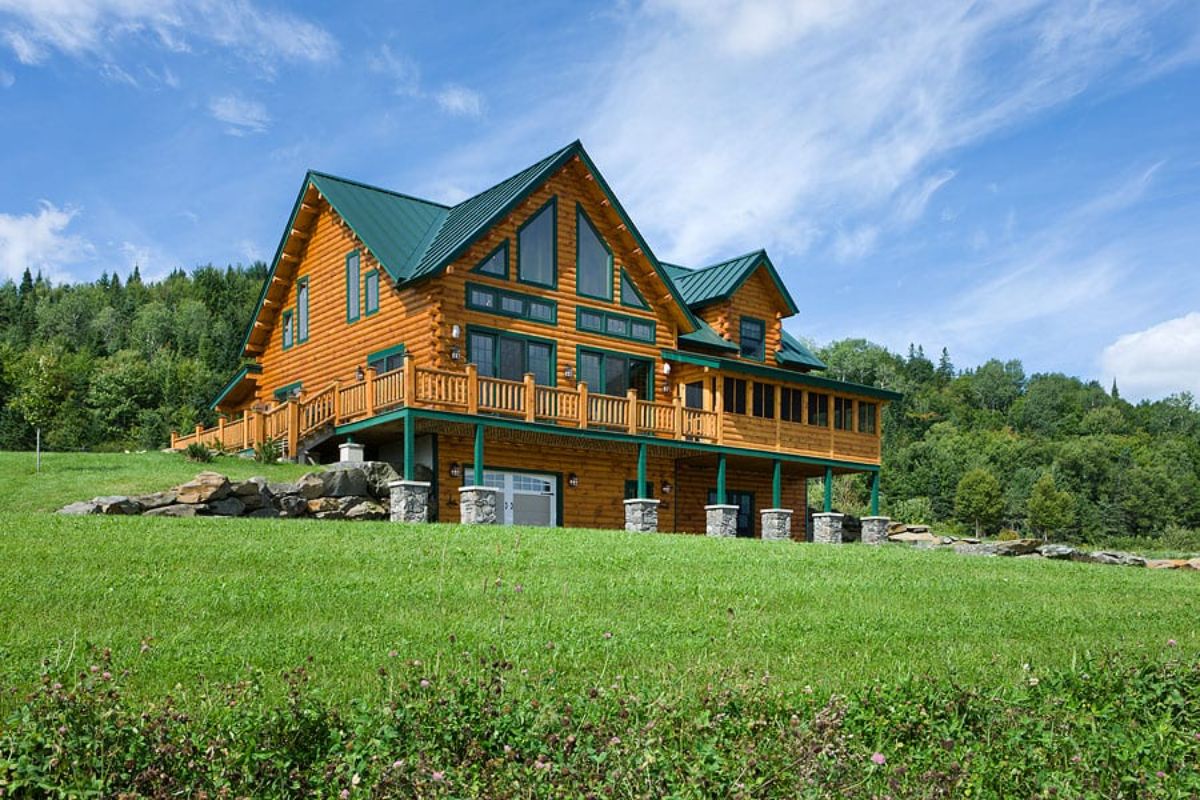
(526, 498)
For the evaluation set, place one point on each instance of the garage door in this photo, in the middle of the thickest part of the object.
(527, 498)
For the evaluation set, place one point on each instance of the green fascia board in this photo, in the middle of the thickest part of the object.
(406, 415)
(789, 376)
(238, 377)
(795, 353)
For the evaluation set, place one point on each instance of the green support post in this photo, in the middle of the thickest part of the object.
(721, 479)
(777, 485)
(875, 493)
(410, 448)
(641, 475)
(828, 489)
(477, 480)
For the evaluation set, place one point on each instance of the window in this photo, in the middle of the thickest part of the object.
(289, 332)
(536, 246)
(693, 395)
(631, 489)
(753, 338)
(593, 260)
(866, 417)
(501, 355)
(613, 324)
(615, 374)
(371, 290)
(735, 396)
(495, 263)
(302, 311)
(353, 303)
(285, 393)
(818, 409)
(791, 405)
(388, 360)
(763, 400)
(511, 304)
(630, 296)
(843, 416)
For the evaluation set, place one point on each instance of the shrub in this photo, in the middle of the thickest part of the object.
(1008, 535)
(198, 452)
(912, 510)
(268, 451)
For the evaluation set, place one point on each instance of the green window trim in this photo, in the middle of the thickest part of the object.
(287, 329)
(527, 302)
(282, 392)
(371, 275)
(640, 299)
(609, 319)
(497, 334)
(581, 218)
(394, 350)
(762, 337)
(651, 393)
(353, 279)
(552, 205)
(303, 320)
(501, 248)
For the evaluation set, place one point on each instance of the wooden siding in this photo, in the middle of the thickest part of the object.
(571, 187)
(335, 348)
(757, 298)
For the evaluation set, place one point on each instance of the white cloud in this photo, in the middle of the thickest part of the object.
(855, 244)
(241, 116)
(7, 79)
(1160, 360)
(460, 101)
(729, 123)
(90, 28)
(40, 241)
(399, 69)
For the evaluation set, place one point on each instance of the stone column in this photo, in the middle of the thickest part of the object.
(827, 528)
(721, 520)
(776, 524)
(350, 453)
(477, 505)
(875, 530)
(410, 501)
(641, 515)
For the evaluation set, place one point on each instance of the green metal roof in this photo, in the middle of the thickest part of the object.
(705, 336)
(719, 281)
(794, 353)
(393, 226)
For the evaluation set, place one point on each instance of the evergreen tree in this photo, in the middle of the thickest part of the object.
(1050, 510)
(978, 499)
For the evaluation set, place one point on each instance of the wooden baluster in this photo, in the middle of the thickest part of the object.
(472, 389)
(632, 398)
(583, 403)
(409, 390)
(530, 397)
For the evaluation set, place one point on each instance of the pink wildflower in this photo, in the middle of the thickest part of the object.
(439, 776)
(608, 634)
(1170, 642)
(1160, 774)
(344, 794)
(518, 588)
(879, 759)
(392, 654)
(424, 683)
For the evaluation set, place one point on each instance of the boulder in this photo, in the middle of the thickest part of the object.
(253, 502)
(976, 549)
(156, 500)
(378, 475)
(366, 509)
(204, 488)
(276, 489)
(80, 508)
(1057, 551)
(1193, 564)
(249, 487)
(912, 537)
(1166, 563)
(268, 512)
(116, 505)
(321, 507)
(226, 507)
(1017, 547)
(918, 529)
(177, 510)
(290, 505)
(1111, 557)
(348, 482)
(897, 527)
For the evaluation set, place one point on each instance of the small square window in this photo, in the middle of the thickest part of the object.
(483, 298)
(512, 305)
(590, 320)
(618, 326)
(642, 331)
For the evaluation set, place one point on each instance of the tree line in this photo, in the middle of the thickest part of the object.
(118, 364)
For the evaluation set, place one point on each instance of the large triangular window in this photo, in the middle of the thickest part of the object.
(536, 246)
(630, 296)
(593, 276)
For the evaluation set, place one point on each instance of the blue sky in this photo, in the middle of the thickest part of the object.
(1018, 179)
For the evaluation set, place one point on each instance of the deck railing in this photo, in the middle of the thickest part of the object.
(302, 418)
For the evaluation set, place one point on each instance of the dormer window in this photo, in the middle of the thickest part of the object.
(753, 338)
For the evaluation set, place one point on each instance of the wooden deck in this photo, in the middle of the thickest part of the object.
(465, 391)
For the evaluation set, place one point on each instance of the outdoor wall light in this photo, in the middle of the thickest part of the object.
(456, 470)
(665, 488)
(569, 372)
(359, 375)
(666, 368)
(573, 480)
(455, 353)
(455, 331)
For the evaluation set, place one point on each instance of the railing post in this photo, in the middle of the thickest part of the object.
(245, 428)
(632, 398)
(583, 403)
(719, 407)
(678, 403)
(778, 419)
(221, 430)
(173, 438)
(293, 427)
(409, 390)
(337, 402)
(199, 433)
(472, 389)
(369, 391)
(530, 397)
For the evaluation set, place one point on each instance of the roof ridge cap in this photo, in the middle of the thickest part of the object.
(375, 188)
(542, 160)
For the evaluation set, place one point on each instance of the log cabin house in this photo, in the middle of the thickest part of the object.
(523, 357)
